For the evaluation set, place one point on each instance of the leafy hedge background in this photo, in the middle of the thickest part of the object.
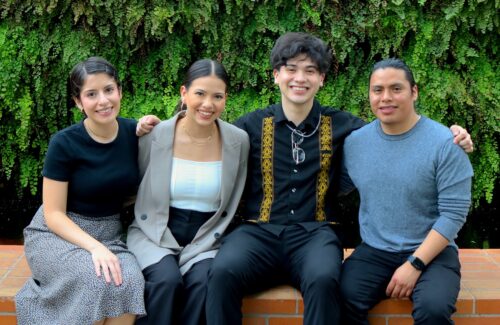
(452, 47)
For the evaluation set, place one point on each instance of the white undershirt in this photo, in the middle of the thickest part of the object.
(195, 185)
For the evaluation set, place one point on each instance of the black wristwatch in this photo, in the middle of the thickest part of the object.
(416, 262)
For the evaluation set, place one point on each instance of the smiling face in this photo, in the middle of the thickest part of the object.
(299, 81)
(392, 100)
(100, 98)
(205, 99)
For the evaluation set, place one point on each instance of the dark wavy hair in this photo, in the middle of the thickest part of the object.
(293, 44)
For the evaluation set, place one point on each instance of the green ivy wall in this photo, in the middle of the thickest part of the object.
(452, 47)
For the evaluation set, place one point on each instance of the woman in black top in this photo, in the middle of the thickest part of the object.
(82, 271)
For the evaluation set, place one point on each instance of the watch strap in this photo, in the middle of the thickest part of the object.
(416, 262)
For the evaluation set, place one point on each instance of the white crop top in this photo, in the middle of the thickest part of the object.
(195, 185)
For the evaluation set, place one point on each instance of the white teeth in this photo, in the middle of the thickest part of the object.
(106, 110)
(300, 88)
(205, 113)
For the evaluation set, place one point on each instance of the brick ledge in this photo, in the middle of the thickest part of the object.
(478, 302)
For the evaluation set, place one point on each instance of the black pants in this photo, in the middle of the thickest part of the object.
(252, 259)
(173, 298)
(368, 271)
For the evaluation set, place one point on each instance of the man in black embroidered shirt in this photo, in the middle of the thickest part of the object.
(293, 172)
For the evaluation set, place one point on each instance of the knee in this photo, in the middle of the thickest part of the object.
(199, 280)
(225, 270)
(432, 310)
(321, 281)
(86, 276)
(219, 275)
(167, 282)
(133, 281)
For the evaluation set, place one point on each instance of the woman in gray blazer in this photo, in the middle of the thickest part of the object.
(193, 169)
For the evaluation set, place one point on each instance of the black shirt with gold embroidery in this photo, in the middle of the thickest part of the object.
(280, 192)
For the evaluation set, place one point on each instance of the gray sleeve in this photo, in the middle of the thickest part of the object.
(454, 177)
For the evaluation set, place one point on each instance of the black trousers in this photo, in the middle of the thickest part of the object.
(170, 297)
(252, 259)
(368, 271)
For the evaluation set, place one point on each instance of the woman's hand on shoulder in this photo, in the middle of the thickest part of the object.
(106, 263)
(146, 124)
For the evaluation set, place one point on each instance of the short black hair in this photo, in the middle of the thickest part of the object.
(82, 70)
(395, 64)
(293, 44)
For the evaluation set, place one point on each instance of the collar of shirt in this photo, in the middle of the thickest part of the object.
(307, 126)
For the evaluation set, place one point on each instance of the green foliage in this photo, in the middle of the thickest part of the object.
(451, 46)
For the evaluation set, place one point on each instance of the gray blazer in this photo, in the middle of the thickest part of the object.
(148, 237)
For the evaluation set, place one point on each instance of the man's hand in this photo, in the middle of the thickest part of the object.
(462, 138)
(403, 281)
(146, 124)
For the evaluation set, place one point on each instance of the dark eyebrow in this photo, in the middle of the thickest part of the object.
(313, 66)
(397, 84)
(111, 84)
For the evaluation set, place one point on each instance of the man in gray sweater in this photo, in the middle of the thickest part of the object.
(415, 192)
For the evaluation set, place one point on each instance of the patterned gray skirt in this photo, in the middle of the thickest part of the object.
(64, 288)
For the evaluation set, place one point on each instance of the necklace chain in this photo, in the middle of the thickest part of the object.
(95, 135)
(302, 134)
(199, 141)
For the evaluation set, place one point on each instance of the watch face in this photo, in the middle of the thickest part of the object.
(416, 262)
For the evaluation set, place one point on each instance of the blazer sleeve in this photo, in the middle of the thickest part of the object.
(242, 170)
(145, 150)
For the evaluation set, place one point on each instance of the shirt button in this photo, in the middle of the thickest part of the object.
(292, 212)
(144, 217)
(216, 235)
(295, 171)
(294, 189)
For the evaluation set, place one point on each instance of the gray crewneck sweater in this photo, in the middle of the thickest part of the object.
(408, 184)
